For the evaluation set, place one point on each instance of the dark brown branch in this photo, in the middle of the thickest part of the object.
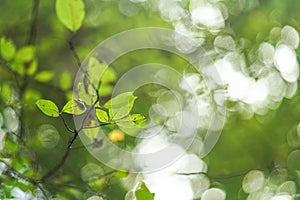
(62, 161)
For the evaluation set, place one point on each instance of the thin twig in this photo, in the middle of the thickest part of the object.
(65, 124)
(74, 51)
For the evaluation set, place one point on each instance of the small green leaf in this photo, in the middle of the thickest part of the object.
(121, 105)
(32, 67)
(18, 67)
(25, 54)
(121, 174)
(91, 132)
(95, 70)
(143, 193)
(65, 80)
(48, 107)
(44, 76)
(74, 107)
(138, 119)
(70, 13)
(102, 115)
(6, 92)
(7, 49)
(84, 94)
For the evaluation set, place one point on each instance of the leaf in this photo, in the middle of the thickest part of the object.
(131, 124)
(121, 105)
(65, 80)
(102, 115)
(143, 193)
(74, 107)
(70, 13)
(7, 49)
(48, 107)
(121, 174)
(18, 67)
(25, 54)
(32, 67)
(44, 76)
(95, 71)
(138, 119)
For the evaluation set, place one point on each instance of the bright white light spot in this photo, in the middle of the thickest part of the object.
(290, 36)
(209, 16)
(253, 181)
(266, 53)
(257, 92)
(291, 77)
(2, 135)
(17, 193)
(95, 198)
(171, 10)
(11, 121)
(282, 197)
(213, 194)
(191, 83)
(169, 183)
(199, 183)
(224, 43)
(287, 187)
(285, 59)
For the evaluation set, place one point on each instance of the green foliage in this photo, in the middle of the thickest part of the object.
(25, 54)
(143, 193)
(65, 80)
(102, 115)
(121, 105)
(44, 76)
(70, 13)
(48, 107)
(74, 107)
(7, 49)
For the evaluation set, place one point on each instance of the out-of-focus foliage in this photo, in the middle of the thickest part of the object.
(254, 46)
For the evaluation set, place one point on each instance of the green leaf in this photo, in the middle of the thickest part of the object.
(48, 107)
(95, 70)
(6, 92)
(121, 174)
(102, 115)
(143, 193)
(138, 119)
(65, 80)
(74, 107)
(18, 67)
(44, 76)
(25, 54)
(131, 124)
(32, 67)
(121, 105)
(91, 132)
(70, 13)
(93, 175)
(7, 49)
